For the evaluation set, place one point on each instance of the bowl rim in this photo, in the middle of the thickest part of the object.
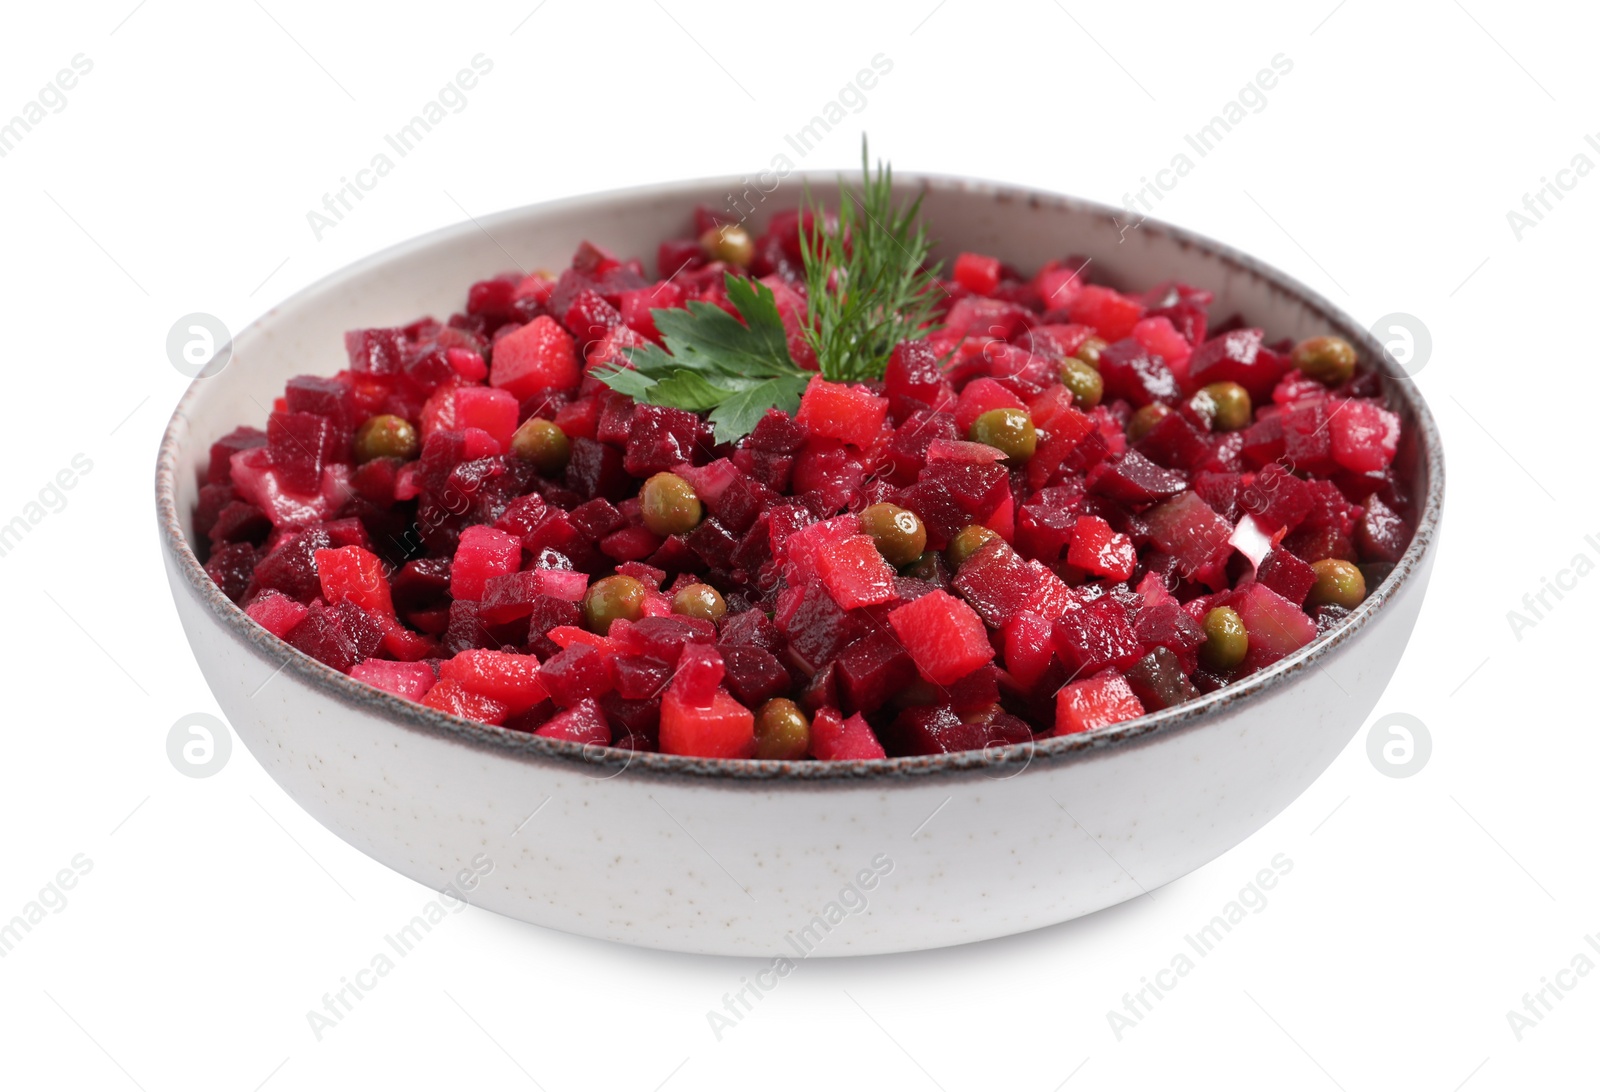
(768, 774)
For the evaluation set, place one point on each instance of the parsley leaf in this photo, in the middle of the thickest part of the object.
(714, 362)
(869, 285)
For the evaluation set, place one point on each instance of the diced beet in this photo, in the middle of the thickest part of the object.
(1287, 575)
(596, 470)
(1175, 442)
(584, 723)
(855, 573)
(1133, 479)
(641, 678)
(1131, 371)
(1097, 549)
(1112, 314)
(483, 553)
(1095, 702)
(817, 629)
(755, 675)
(1168, 625)
(276, 613)
(1095, 636)
(550, 613)
(950, 496)
(997, 582)
(847, 739)
(575, 673)
(872, 670)
(1364, 436)
(1191, 532)
(722, 729)
(1278, 500)
(1382, 535)
(537, 356)
(1027, 647)
(1238, 356)
(508, 677)
(659, 438)
(979, 397)
(1276, 626)
(220, 469)
(231, 568)
(843, 412)
(449, 696)
(408, 680)
(1158, 681)
(354, 574)
(299, 445)
(699, 673)
(943, 635)
(913, 372)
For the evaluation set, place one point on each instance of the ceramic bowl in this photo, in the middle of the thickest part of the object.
(767, 858)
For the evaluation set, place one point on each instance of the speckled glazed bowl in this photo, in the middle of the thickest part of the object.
(769, 858)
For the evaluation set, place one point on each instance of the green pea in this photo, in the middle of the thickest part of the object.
(1089, 352)
(1339, 584)
(386, 437)
(1227, 640)
(782, 730)
(669, 505)
(729, 243)
(611, 598)
(968, 541)
(699, 601)
(1227, 405)
(1084, 382)
(1146, 418)
(897, 532)
(1329, 360)
(541, 443)
(1009, 429)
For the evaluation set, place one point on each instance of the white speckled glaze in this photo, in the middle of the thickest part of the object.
(738, 857)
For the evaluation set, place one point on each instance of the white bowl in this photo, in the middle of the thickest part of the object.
(766, 858)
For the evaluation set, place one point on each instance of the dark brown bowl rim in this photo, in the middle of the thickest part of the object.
(599, 762)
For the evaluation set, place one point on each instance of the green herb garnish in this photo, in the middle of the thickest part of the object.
(714, 362)
(868, 285)
(868, 288)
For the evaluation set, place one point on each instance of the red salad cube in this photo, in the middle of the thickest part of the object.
(855, 573)
(536, 357)
(944, 636)
(1095, 636)
(357, 575)
(584, 723)
(977, 273)
(507, 677)
(721, 729)
(1364, 436)
(843, 739)
(450, 696)
(484, 552)
(840, 411)
(409, 680)
(1097, 549)
(1095, 702)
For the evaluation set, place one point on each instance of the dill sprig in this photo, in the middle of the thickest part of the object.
(869, 285)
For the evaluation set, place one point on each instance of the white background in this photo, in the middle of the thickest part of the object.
(177, 179)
